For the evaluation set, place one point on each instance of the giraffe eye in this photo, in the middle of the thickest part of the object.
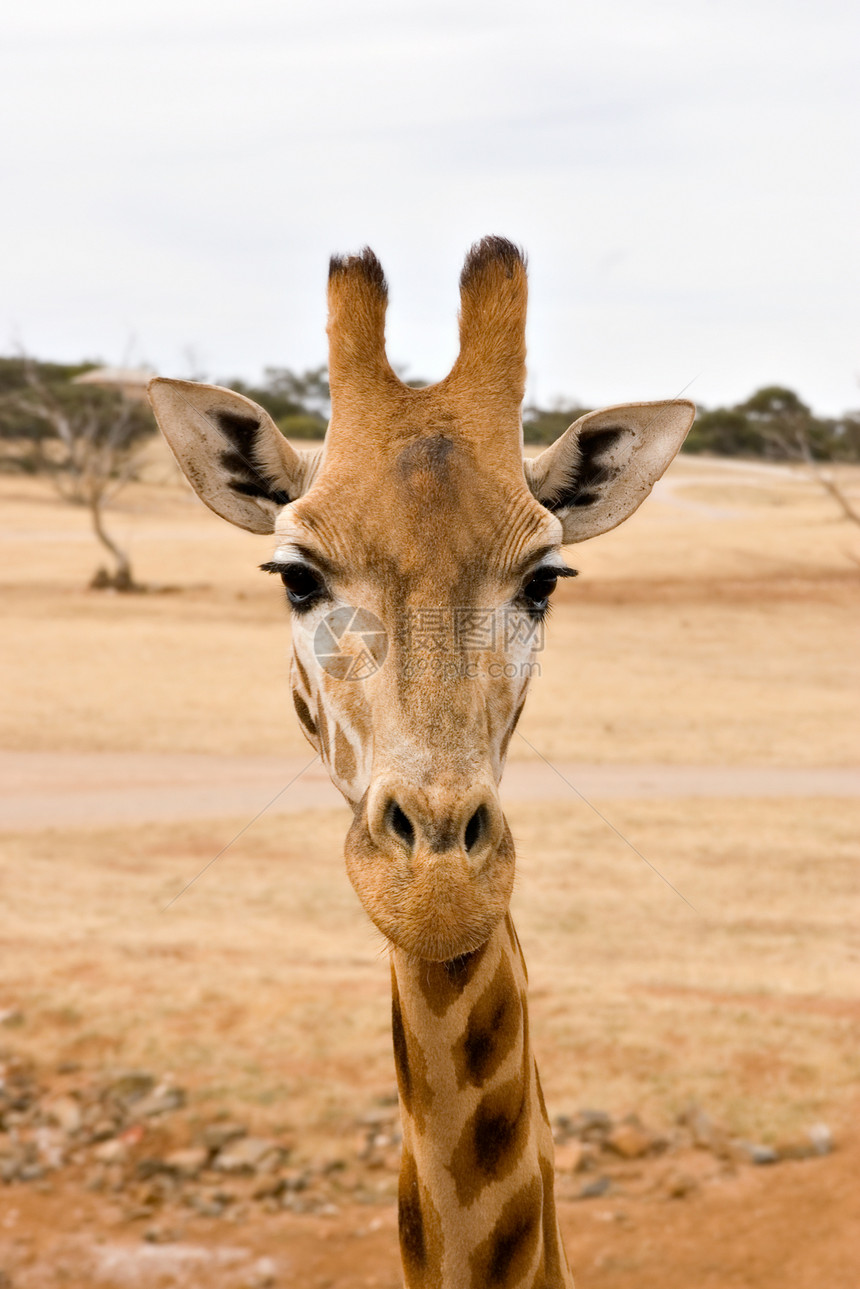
(303, 584)
(539, 588)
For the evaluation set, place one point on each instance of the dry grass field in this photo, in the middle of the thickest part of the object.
(718, 628)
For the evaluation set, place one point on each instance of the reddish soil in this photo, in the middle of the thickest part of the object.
(793, 1224)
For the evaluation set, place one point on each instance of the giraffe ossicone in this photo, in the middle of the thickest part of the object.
(420, 514)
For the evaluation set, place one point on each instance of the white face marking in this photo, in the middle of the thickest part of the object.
(331, 716)
(354, 707)
(286, 555)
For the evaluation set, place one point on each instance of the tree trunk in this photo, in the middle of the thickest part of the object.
(831, 486)
(122, 579)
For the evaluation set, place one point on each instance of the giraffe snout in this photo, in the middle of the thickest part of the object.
(411, 819)
(432, 865)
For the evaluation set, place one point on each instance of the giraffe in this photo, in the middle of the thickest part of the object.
(421, 546)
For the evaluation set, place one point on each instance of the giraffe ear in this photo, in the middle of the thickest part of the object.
(605, 464)
(230, 450)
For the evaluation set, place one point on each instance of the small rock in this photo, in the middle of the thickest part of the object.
(130, 1086)
(593, 1125)
(103, 1129)
(138, 1213)
(49, 1144)
(562, 1128)
(569, 1156)
(593, 1190)
(187, 1163)
(795, 1150)
(270, 1187)
(679, 1184)
(630, 1140)
(160, 1188)
(753, 1152)
(216, 1136)
(114, 1151)
(153, 1166)
(821, 1138)
(704, 1133)
(162, 1235)
(11, 1017)
(293, 1204)
(9, 1168)
(206, 1205)
(162, 1101)
(262, 1275)
(65, 1112)
(818, 1141)
(248, 1155)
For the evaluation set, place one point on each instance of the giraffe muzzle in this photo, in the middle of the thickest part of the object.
(432, 866)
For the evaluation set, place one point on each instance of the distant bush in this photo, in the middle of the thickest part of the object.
(725, 432)
(774, 424)
(544, 425)
(298, 402)
(302, 425)
(25, 433)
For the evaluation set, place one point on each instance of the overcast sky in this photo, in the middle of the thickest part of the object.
(683, 175)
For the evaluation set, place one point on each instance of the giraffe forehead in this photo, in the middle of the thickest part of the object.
(424, 516)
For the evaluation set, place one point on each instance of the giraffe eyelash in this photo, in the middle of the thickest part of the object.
(536, 590)
(303, 584)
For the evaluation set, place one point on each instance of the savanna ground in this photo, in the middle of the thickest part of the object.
(718, 629)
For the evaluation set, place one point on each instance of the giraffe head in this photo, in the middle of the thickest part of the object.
(419, 552)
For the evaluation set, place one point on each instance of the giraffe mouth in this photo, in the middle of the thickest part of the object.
(435, 906)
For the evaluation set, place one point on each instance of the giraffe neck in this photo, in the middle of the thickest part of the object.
(477, 1205)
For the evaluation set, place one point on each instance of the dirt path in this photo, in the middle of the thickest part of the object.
(59, 789)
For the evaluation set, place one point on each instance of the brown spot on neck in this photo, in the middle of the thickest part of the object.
(492, 1029)
(420, 1230)
(508, 1252)
(493, 1140)
(442, 983)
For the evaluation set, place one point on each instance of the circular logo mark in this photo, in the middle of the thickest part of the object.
(350, 644)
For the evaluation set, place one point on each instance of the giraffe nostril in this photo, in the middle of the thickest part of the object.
(476, 828)
(401, 824)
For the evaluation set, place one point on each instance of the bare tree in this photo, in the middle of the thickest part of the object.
(87, 439)
(831, 486)
(795, 434)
